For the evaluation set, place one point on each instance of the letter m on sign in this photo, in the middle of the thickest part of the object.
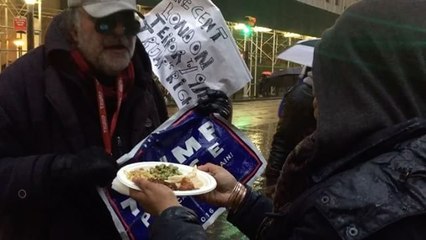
(191, 146)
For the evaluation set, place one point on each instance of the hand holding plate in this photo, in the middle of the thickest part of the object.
(153, 197)
(225, 184)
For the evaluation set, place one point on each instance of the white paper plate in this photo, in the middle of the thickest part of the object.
(209, 183)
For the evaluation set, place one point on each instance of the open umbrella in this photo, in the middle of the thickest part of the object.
(302, 52)
(281, 80)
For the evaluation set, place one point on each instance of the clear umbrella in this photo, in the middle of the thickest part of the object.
(302, 52)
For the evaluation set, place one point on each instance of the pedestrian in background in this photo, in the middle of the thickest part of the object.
(295, 123)
(262, 86)
(361, 174)
(68, 110)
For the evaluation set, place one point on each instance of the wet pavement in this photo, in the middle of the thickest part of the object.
(258, 120)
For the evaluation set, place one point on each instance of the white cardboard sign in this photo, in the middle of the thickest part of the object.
(191, 49)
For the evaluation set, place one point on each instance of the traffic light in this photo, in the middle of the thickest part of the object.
(247, 30)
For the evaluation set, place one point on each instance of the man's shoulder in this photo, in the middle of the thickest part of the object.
(300, 92)
(30, 63)
(23, 74)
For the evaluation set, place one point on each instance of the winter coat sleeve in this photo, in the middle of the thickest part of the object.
(29, 181)
(251, 213)
(255, 219)
(296, 123)
(177, 223)
(182, 223)
(21, 178)
(310, 226)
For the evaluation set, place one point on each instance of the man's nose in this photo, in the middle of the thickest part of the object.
(119, 29)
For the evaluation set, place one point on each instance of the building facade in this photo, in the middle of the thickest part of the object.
(14, 19)
(334, 6)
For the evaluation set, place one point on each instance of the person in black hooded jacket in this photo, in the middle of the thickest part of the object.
(362, 173)
(295, 123)
(68, 109)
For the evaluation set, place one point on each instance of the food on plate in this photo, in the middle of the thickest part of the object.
(168, 175)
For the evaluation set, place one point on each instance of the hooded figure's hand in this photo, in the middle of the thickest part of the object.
(215, 101)
(154, 197)
(225, 185)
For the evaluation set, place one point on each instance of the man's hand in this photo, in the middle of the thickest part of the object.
(91, 166)
(215, 101)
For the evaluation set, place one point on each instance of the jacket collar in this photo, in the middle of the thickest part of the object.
(56, 36)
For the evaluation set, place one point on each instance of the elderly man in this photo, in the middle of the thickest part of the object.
(67, 110)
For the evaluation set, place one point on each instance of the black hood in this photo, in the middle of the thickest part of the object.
(57, 37)
(369, 73)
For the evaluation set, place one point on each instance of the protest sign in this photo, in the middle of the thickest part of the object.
(191, 49)
(191, 139)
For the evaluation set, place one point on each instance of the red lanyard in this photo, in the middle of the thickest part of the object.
(127, 76)
(108, 131)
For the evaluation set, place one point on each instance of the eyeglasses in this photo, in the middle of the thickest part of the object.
(129, 21)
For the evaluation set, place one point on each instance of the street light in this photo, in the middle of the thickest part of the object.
(19, 43)
(30, 25)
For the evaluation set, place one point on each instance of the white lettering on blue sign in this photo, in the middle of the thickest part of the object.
(226, 159)
(215, 150)
(194, 162)
(132, 205)
(207, 130)
(191, 146)
(145, 217)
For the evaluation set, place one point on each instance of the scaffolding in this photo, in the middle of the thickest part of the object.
(13, 44)
(260, 51)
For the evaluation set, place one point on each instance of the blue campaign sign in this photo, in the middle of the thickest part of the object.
(191, 139)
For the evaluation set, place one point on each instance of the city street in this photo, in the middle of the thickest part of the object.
(257, 119)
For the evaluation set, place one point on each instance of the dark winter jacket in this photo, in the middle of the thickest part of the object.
(377, 192)
(47, 112)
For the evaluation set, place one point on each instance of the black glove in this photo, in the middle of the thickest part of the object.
(215, 101)
(91, 166)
